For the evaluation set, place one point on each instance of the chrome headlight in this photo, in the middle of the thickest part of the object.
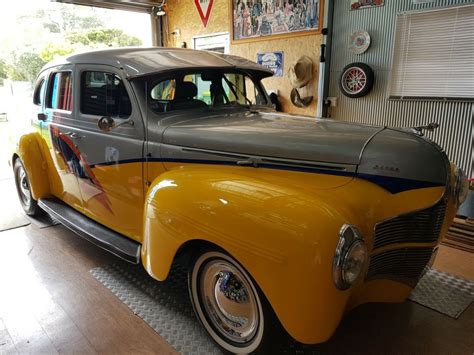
(350, 259)
(461, 187)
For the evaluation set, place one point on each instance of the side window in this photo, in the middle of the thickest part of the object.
(104, 94)
(60, 97)
(38, 96)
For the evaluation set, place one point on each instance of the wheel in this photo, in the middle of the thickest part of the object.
(29, 205)
(229, 304)
(357, 79)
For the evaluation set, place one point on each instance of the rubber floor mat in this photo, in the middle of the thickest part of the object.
(444, 293)
(164, 306)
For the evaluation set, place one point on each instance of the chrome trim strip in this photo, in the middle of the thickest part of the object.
(180, 152)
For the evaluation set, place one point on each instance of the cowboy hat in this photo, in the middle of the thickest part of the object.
(301, 72)
(297, 100)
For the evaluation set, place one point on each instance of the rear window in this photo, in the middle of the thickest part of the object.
(60, 97)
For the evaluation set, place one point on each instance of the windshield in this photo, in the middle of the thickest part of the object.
(210, 89)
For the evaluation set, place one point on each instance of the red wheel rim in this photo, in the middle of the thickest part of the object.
(354, 80)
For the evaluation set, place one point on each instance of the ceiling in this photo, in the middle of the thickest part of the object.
(130, 5)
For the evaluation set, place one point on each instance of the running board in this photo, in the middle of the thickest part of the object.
(94, 232)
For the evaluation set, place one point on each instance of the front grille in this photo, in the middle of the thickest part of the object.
(421, 226)
(405, 265)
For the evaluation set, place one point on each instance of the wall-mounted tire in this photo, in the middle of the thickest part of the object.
(29, 205)
(357, 80)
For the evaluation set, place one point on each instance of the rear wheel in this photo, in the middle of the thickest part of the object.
(29, 205)
(229, 305)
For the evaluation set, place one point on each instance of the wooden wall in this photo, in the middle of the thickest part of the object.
(183, 15)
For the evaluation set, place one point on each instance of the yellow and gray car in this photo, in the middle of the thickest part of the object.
(287, 222)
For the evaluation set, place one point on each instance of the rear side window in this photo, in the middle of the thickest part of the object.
(60, 97)
(104, 94)
(38, 96)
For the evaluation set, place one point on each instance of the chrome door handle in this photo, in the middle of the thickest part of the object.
(72, 135)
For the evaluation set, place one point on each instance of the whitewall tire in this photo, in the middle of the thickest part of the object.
(227, 302)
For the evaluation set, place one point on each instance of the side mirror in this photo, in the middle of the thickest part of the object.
(106, 123)
(42, 117)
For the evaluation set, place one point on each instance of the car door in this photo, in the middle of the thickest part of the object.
(59, 131)
(112, 186)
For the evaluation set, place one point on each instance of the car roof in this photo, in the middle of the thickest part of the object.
(138, 62)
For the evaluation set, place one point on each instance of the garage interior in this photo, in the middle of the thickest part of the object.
(62, 294)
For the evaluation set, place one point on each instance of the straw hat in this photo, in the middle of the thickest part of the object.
(301, 72)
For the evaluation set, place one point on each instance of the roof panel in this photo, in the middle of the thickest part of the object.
(138, 62)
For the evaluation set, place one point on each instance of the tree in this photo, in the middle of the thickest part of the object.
(3, 71)
(53, 50)
(109, 37)
(25, 67)
(62, 18)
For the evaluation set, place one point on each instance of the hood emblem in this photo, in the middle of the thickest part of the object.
(392, 169)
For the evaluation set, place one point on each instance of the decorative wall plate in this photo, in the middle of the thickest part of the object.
(360, 42)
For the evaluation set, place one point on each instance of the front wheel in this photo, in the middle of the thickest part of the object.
(228, 304)
(29, 205)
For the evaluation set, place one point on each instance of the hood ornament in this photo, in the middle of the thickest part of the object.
(429, 127)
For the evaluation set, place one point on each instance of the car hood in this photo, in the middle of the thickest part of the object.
(273, 135)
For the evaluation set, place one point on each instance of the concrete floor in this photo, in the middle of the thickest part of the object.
(50, 303)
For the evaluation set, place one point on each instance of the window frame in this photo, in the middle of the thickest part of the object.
(173, 75)
(105, 70)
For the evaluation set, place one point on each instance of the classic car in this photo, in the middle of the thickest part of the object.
(287, 222)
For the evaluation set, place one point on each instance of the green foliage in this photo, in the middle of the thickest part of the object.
(26, 67)
(57, 30)
(3, 71)
(63, 18)
(108, 36)
(52, 50)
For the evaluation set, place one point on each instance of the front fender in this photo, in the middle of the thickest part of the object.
(275, 223)
(30, 152)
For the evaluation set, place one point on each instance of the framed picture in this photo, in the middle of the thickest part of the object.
(259, 19)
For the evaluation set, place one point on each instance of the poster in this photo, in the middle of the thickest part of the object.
(272, 61)
(258, 18)
(362, 4)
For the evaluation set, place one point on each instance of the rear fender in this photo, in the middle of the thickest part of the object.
(30, 152)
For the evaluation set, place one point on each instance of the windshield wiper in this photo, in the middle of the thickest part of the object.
(234, 89)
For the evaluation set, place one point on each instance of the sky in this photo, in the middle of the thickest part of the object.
(134, 24)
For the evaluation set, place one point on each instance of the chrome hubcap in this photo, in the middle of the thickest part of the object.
(229, 301)
(24, 186)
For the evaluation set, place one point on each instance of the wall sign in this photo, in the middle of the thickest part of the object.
(253, 20)
(272, 61)
(204, 8)
(362, 4)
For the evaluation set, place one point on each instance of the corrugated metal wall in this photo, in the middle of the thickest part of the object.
(456, 119)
